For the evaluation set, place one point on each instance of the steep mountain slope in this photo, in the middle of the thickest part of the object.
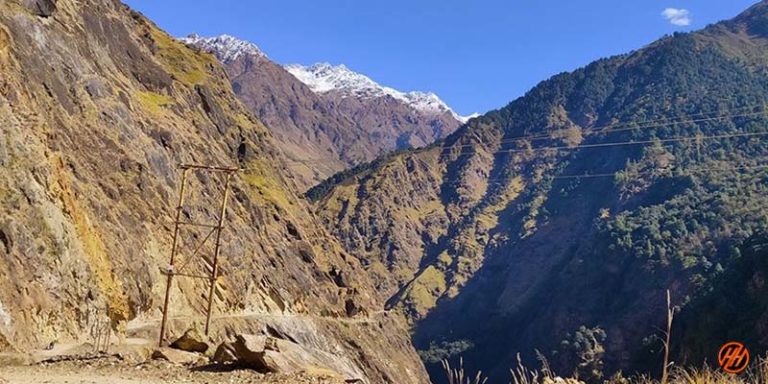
(97, 108)
(733, 307)
(328, 118)
(570, 211)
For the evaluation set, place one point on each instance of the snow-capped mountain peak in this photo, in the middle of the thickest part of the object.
(227, 48)
(324, 77)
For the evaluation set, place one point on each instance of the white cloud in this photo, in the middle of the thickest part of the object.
(677, 16)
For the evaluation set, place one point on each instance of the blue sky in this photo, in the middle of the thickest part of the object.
(476, 55)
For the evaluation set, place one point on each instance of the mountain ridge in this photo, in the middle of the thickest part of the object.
(574, 205)
(226, 47)
(325, 132)
(324, 77)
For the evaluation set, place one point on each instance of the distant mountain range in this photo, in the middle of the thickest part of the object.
(325, 117)
(327, 78)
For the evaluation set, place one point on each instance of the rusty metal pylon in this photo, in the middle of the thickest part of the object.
(171, 270)
(100, 330)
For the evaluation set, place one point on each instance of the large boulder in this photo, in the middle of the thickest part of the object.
(249, 349)
(226, 353)
(287, 357)
(191, 341)
(268, 354)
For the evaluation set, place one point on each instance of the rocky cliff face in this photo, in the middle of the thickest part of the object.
(98, 107)
(570, 211)
(328, 118)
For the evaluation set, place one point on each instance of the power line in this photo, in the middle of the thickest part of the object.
(691, 170)
(604, 129)
(639, 142)
(542, 137)
(623, 143)
(613, 174)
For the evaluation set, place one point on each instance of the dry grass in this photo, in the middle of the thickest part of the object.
(667, 335)
(757, 374)
(708, 375)
(457, 376)
(522, 375)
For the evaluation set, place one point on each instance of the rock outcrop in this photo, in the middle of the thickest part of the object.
(225, 353)
(273, 355)
(191, 341)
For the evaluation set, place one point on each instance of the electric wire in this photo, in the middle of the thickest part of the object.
(598, 130)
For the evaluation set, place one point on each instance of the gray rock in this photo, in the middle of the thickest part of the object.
(225, 353)
(191, 341)
(96, 88)
(249, 349)
(289, 358)
(270, 354)
(44, 8)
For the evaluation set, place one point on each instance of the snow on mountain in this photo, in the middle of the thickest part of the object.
(464, 119)
(324, 77)
(227, 48)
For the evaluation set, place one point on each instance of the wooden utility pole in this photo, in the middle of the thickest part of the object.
(171, 271)
(215, 266)
(174, 245)
(670, 316)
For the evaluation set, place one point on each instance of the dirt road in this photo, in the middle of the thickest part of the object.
(115, 371)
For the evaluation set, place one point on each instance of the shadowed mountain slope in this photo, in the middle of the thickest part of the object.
(572, 210)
